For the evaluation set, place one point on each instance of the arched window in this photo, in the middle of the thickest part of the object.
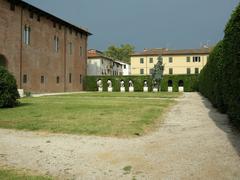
(181, 83)
(3, 61)
(170, 83)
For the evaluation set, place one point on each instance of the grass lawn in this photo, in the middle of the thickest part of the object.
(105, 114)
(14, 175)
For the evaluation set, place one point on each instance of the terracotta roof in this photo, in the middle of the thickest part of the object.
(163, 51)
(93, 54)
(50, 16)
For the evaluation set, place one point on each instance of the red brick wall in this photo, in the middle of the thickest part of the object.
(39, 58)
(10, 39)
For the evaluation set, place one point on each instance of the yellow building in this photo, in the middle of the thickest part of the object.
(188, 61)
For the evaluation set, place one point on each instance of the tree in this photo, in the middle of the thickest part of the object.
(121, 53)
(8, 89)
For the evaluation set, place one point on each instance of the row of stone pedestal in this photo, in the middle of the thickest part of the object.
(145, 89)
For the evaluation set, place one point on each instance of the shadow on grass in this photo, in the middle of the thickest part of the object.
(23, 105)
(222, 122)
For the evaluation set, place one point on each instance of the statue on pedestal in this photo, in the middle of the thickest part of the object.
(145, 84)
(109, 82)
(99, 83)
(130, 83)
(158, 73)
(122, 83)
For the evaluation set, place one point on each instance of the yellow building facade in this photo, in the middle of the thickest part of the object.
(189, 61)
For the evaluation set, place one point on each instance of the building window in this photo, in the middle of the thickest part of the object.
(81, 51)
(196, 59)
(125, 66)
(12, 6)
(24, 78)
(141, 61)
(170, 70)
(80, 79)
(31, 14)
(170, 59)
(59, 27)
(27, 32)
(70, 31)
(70, 48)
(151, 60)
(141, 71)
(188, 59)
(81, 35)
(58, 79)
(42, 79)
(188, 70)
(54, 24)
(56, 43)
(70, 78)
(151, 71)
(196, 70)
(38, 18)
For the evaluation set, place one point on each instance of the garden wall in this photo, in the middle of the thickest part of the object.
(189, 82)
(220, 79)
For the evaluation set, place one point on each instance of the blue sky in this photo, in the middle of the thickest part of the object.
(175, 24)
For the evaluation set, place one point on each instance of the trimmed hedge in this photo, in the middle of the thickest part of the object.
(8, 89)
(190, 82)
(220, 79)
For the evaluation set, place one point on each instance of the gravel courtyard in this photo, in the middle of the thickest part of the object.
(194, 142)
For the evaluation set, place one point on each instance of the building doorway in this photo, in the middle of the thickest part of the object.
(3, 61)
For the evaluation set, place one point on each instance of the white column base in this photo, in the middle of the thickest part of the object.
(122, 89)
(170, 89)
(145, 89)
(155, 89)
(100, 89)
(131, 89)
(110, 89)
(181, 89)
(21, 92)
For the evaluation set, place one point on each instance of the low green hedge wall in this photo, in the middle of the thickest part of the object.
(190, 82)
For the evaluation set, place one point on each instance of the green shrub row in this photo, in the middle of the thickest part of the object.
(219, 80)
(190, 82)
(8, 89)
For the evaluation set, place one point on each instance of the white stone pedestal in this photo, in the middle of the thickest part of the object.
(21, 92)
(181, 89)
(100, 89)
(131, 89)
(170, 89)
(110, 89)
(122, 89)
(155, 89)
(145, 89)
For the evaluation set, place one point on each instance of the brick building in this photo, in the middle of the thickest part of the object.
(43, 52)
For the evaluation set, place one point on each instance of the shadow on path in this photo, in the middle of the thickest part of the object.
(222, 121)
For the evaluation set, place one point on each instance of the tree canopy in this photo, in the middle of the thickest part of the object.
(121, 53)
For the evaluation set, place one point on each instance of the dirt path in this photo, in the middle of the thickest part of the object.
(195, 142)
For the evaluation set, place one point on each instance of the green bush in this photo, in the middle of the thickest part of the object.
(190, 81)
(8, 89)
(219, 81)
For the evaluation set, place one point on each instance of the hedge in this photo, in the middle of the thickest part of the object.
(190, 82)
(220, 79)
(8, 89)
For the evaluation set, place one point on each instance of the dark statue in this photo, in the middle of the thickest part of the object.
(158, 73)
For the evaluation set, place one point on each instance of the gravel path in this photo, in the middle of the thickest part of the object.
(195, 142)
